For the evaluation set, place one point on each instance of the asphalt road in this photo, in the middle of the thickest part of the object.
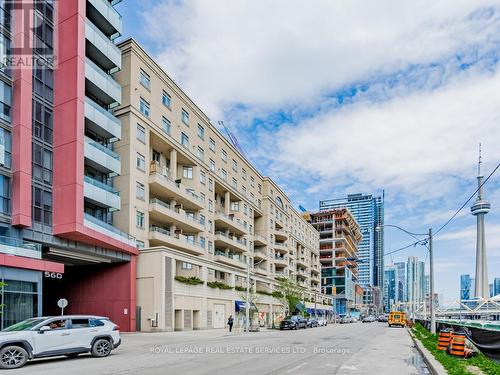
(357, 348)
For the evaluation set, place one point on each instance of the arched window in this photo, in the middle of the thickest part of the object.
(279, 202)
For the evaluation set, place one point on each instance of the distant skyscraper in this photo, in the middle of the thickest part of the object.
(466, 287)
(369, 213)
(427, 282)
(480, 208)
(400, 281)
(389, 287)
(492, 290)
(496, 286)
(415, 280)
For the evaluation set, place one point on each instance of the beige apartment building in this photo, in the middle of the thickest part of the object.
(199, 210)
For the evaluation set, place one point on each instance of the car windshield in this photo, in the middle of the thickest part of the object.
(25, 325)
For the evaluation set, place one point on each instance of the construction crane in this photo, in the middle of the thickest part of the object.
(232, 138)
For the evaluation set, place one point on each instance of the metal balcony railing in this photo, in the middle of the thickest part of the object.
(101, 185)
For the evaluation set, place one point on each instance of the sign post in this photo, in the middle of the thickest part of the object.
(62, 303)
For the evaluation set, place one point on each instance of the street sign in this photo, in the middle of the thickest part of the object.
(62, 303)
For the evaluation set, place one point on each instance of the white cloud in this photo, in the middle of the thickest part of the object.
(271, 53)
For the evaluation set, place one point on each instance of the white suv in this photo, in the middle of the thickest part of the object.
(68, 335)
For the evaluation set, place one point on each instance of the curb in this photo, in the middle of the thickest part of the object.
(432, 363)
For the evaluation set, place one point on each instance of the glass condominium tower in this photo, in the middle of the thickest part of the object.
(369, 213)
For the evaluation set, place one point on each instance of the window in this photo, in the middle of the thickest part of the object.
(243, 174)
(156, 156)
(223, 156)
(187, 172)
(210, 205)
(186, 266)
(141, 133)
(139, 191)
(42, 121)
(210, 247)
(210, 226)
(166, 126)
(244, 191)
(184, 140)
(235, 206)
(202, 219)
(140, 244)
(140, 162)
(43, 83)
(5, 194)
(235, 183)
(185, 117)
(42, 164)
(201, 153)
(139, 219)
(212, 165)
(202, 242)
(5, 101)
(245, 209)
(252, 181)
(201, 131)
(260, 188)
(79, 323)
(235, 165)
(203, 177)
(212, 145)
(166, 100)
(144, 107)
(279, 202)
(223, 174)
(42, 206)
(5, 148)
(210, 184)
(144, 79)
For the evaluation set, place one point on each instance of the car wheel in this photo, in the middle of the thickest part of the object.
(295, 327)
(72, 355)
(101, 348)
(13, 357)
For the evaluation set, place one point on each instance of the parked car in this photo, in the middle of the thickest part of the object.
(312, 322)
(68, 335)
(322, 322)
(344, 320)
(383, 318)
(368, 319)
(293, 322)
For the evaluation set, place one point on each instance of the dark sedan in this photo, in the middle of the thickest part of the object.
(293, 322)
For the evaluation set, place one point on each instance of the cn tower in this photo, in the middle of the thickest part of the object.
(480, 208)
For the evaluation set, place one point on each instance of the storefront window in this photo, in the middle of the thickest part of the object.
(20, 301)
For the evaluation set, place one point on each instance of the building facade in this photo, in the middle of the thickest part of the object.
(466, 288)
(339, 237)
(415, 281)
(390, 287)
(201, 213)
(400, 281)
(57, 166)
(369, 213)
(496, 286)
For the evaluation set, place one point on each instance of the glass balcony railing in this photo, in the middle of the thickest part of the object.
(235, 257)
(99, 184)
(108, 227)
(236, 239)
(176, 210)
(189, 240)
(102, 111)
(102, 148)
(10, 245)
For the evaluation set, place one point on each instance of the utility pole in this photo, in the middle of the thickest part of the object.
(247, 302)
(431, 281)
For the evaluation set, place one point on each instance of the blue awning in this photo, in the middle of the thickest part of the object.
(241, 305)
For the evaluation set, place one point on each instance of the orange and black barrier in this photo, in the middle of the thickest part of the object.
(457, 346)
(444, 339)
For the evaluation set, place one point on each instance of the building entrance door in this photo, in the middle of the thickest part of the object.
(219, 316)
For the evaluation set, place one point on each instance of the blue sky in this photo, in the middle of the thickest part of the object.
(350, 97)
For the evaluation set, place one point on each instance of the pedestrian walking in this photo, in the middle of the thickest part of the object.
(230, 322)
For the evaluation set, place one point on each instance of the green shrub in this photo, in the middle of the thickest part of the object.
(277, 294)
(219, 285)
(264, 292)
(240, 288)
(189, 280)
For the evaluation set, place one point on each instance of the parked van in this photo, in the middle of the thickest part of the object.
(397, 318)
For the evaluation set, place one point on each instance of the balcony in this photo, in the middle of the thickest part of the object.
(225, 221)
(163, 237)
(101, 158)
(108, 230)
(101, 85)
(259, 240)
(230, 260)
(280, 234)
(302, 261)
(162, 186)
(259, 254)
(100, 121)
(104, 16)
(231, 242)
(281, 260)
(280, 246)
(101, 49)
(165, 213)
(278, 274)
(261, 270)
(101, 194)
(14, 246)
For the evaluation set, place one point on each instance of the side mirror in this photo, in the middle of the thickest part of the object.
(44, 329)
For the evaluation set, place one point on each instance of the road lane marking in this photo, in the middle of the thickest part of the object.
(296, 367)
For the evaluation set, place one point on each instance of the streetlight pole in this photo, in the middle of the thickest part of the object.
(247, 302)
(431, 281)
